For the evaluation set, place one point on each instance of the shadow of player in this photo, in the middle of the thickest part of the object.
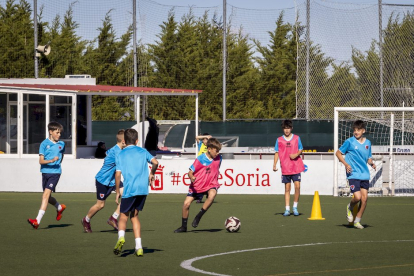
(113, 230)
(57, 226)
(206, 230)
(291, 214)
(351, 226)
(125, 253)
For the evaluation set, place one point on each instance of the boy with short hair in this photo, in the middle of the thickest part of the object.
(204, 173)
(105, 184)
(51, 152)
(131, 162)
(289, 148)
(357, 151)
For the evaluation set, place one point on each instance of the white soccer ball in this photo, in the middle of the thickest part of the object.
(232, 224)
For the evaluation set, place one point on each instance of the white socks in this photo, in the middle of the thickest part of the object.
(115, 215)
(357, 219)
(88, 219)
(295, 204)
(40, 216)
(287, 208)
(121, 233)
(138, 244)
(58, 206)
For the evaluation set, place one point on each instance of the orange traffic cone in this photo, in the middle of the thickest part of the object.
(316, 208)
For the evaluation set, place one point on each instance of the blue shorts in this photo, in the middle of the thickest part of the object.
(199, 196)
(133, 203)
(355, 185)
(50, 180)
(290, 178)
(103, 191)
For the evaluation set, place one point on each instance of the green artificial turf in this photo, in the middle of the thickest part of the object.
(286, 245)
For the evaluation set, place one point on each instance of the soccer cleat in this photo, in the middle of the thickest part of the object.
(358, 225)
(118, 246)
(349, 215)
(59, 213)
(196, 221)
(86, 226)
(180, 230)
(33, 222)
(286, 213)
(113, 222)
(139, 252)
(295, 211)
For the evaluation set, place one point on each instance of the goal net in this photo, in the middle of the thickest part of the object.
(391, 132)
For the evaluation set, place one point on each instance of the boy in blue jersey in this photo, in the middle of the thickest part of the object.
(132, 164)
(105, 184)
(51, 153)
(357, 150)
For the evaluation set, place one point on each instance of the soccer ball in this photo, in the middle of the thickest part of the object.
(232, 224)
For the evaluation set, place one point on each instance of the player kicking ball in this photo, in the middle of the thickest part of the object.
(357, 150)
(204, 175)
(105, 184)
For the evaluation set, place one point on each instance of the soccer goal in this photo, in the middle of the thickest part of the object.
(391, 132)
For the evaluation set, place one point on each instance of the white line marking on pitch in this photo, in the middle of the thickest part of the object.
(187, 264)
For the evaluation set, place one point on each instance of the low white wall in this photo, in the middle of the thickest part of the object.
(237, 176)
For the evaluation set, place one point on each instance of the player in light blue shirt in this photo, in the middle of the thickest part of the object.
(357, 150)
(51, 153)
(105, 185)
(132, 163)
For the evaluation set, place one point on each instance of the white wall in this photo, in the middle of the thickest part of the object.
(237, 176)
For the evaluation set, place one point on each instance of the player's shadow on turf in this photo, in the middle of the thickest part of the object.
(125, 253)
(291, 215)
(206, 230)
(128, 230)
(57, 226)
(351, 226)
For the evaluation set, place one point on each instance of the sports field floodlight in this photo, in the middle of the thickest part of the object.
(43, 49)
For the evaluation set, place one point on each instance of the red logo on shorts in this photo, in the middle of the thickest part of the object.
(158, 183)
(101, 195)
(352, 187)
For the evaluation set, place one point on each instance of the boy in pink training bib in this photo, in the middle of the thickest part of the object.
(288, 148)
(204, 175)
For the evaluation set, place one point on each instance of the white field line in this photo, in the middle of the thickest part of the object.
(187, 264)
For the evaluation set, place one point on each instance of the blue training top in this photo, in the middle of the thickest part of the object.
(357, 155)
(50, 150)
(106, 175)
(132, 163)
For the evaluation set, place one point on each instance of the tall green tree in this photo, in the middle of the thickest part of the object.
(103, 60)
(67, 47)
(277, 68)
(17, 39)
(242, 80)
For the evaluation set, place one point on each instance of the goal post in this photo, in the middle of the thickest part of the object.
(391, 132)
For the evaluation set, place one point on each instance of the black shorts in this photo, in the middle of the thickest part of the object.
(50, 180)
(355, 185)
(290, 178)
(199, 196)
(103, 191)
(130, 204)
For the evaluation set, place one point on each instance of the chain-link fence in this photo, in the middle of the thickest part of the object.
(280, 63)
